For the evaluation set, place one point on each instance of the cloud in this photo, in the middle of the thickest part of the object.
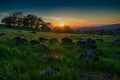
(3, 14)
(67, 20)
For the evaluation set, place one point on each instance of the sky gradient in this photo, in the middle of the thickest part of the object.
(69, 12)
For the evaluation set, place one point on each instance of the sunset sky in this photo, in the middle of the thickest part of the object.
(69, 12)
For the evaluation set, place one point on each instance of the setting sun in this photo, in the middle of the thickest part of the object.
(61, 24)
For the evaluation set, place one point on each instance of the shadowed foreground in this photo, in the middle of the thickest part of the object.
(32, 55)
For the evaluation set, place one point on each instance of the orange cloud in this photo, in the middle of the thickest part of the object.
(78, 21)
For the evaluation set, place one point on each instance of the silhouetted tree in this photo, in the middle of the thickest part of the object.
(63, 29)
(30, 21)
(67, 29)
(12, 19)
(45, 28)
(7, 20)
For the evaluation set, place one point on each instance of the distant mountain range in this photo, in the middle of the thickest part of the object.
(108, 26)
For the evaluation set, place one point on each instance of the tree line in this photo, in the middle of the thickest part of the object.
(31, 21)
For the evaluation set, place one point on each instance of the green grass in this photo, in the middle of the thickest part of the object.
(26, 61)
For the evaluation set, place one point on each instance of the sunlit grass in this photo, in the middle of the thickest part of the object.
(26, 61)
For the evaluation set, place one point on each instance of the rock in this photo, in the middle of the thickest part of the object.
(91, 40)
(25, 40)
(1, 34)
(85, 75)
(20, 40)
(92, 43)
(89, 53)
(43, 46)
(67, 40)
(42, 39)
(89, 43)
(34, 42)
(82, 42)
(50, 58)
(51, 71)
(117, 42)
(34, 32)
(53, 40)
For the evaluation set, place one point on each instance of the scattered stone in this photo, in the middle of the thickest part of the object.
(53, 40)
(92, 43)
(34, 42)
(2, 34)
(82, 42)
(42, 39)
(89, 53)
(85, 75)
(50, 58)
(89, 43)
(25, 40)
(43, 46)
(67, 40)
(51, 71)
(20, 40)
(91, 40)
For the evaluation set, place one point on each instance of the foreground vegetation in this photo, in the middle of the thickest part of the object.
(28, 61)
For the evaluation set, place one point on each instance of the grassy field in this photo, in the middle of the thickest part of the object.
(28, 61)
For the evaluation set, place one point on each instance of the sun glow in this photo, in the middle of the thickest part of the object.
(61, 24)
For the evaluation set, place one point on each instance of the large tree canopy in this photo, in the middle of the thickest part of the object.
(30, 21)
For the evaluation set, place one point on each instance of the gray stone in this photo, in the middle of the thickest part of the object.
(89, 43)
(2, 34)
(89, 53)
(53, 40)
(92, 43)
(67, 40)
(34, 42)
(51, 71)
(43, 46)
(82, 42)
(20, 40)
(42, 39)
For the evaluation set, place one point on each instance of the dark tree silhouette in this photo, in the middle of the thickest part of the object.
(63, 29)
(67, 29)
(12, 19)
(30, 21)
